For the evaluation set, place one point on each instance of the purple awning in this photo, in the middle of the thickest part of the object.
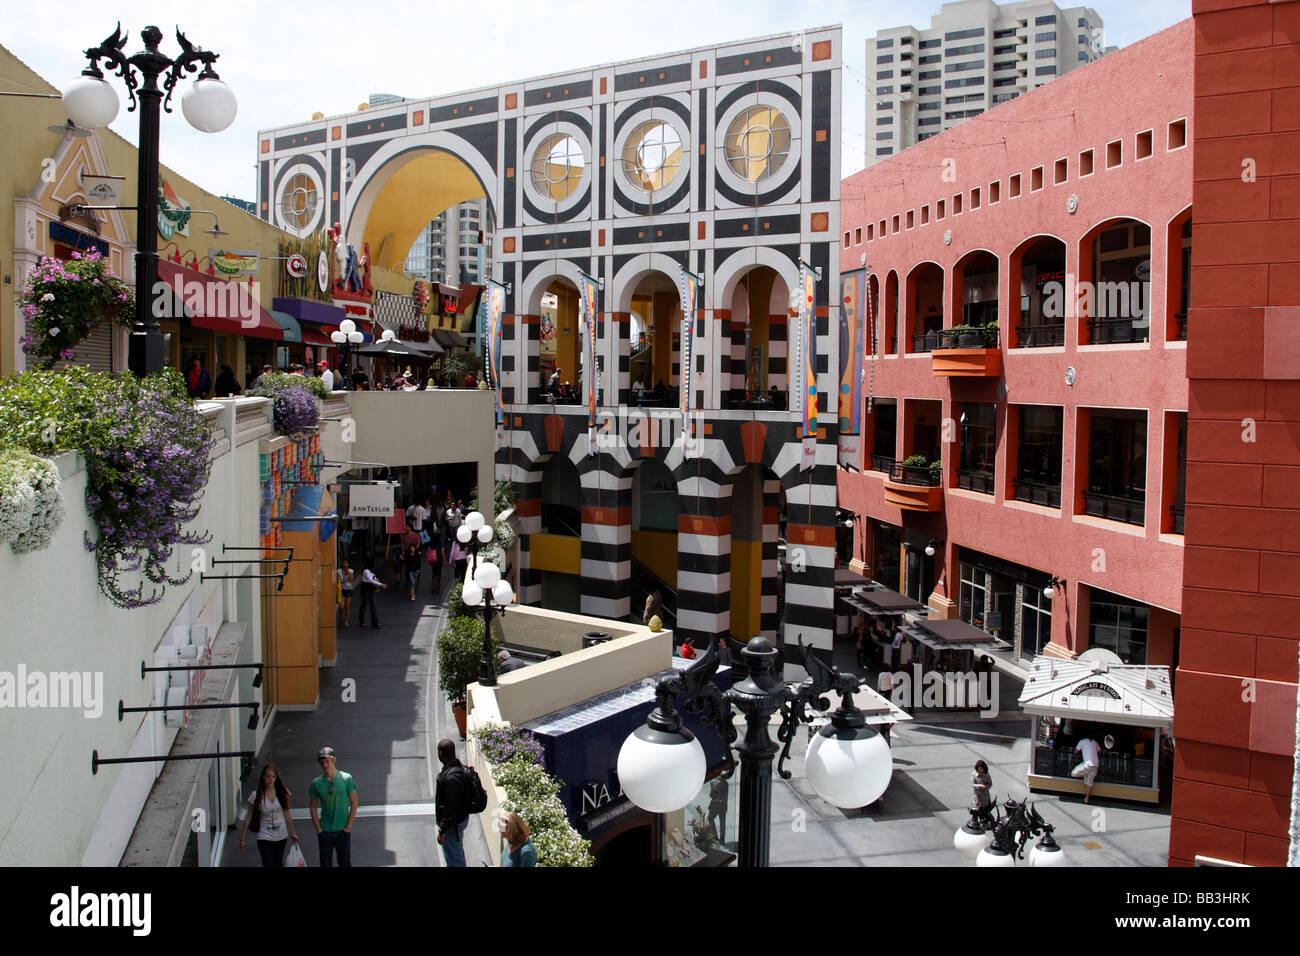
(309, 310)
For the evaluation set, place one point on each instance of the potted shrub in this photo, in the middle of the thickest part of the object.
(970, 337)
(991, 335)
(914, 467)
(63, 302)
(460, 653)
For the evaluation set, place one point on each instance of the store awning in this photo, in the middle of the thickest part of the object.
(292, 330)
(846, 578)
(1139, 695)
(450, 339)
(318, 337)
(309, 310)
(875, 601)
(953, 635)
(218, 305)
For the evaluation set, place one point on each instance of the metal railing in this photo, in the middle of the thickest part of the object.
(980, 337)
(883, 463)
(1181, 334)
(1177, 512)
(1130, 510)
(981, 481)
(1115, 331)
(1037, 492)
(911, 474)
(1040, 336)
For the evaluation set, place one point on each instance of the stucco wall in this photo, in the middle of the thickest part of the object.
(56, 619)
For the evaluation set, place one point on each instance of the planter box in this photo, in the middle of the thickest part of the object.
(967, 362)
(914, 497)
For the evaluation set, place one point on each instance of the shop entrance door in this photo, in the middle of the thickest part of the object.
(918, 575)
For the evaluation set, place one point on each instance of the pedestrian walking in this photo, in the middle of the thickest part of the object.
(1087, 770)
(346, 578)
(520, 850)
(414, 565)
(269, 818)
(451, 804)
(433, 555)
(981, 790)
(369, 585)
(332, 799)
(459, 559)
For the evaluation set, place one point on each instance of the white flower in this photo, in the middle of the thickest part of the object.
(53, 332)
(48, 297)
(31, 500)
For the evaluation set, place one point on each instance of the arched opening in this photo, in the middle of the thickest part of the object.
(757, 504)
(1115, 286)
(655, 327)
(924, 318)
(1178, 272)
(1037, 312)
(891, 313)
(975, 278)
(760, 306)
(654, 537)
(560, 343)
(556, 552)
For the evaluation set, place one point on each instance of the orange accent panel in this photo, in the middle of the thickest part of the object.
(417, 119)
(697, 524)
(529, 319)
(508, 243)
(510, 172)
(335, 194)
(602, 85)
(821, 50)
(600, 237)
(607, 516)
(704, 70)
(820, 222)
(620, 316)
(967, 363)
(266, 145)
(771, 515)
(913, 497)
(752, 437)
(512, 101)
(811, 535)
(554, 427)
(519, 421)
(701, 229)
(821, 136)
(530, 508)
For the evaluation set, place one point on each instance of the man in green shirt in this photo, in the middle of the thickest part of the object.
(333, 802)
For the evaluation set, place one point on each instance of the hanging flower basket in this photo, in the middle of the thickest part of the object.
(64, 302)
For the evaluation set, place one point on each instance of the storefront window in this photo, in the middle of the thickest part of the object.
(889, 540)
(1118, 624)
(973, 597)
(1035, 621)
(978, 447)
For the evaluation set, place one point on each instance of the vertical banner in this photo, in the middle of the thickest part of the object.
(808, 362)
(853, 317)
(587, 307)
(687, 284)
(494, 300)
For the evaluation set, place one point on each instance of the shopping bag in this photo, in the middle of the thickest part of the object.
(424, 537)
(294, 857)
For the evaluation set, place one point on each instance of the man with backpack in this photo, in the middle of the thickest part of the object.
(458, 794)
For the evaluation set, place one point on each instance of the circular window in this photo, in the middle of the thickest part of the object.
(757, 143)
(652, 155)
(298, 202)
(557, 166)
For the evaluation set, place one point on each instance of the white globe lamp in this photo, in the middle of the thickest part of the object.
(661, 769)
(209, 105)
(848, 763)
(347, 326)
(503, 593)
(969, 841)
(474, 521)
(90, 101)
(463, 534)
(471, 594)
(486, 575)
(485, 534)
(995, 858)
(1047, 852)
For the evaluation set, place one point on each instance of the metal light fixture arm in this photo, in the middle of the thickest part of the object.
(822, 680)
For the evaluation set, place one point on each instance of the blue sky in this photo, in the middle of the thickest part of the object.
(285, 61)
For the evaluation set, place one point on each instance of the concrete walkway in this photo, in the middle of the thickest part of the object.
(386, 738)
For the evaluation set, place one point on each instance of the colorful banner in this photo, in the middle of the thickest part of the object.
(853, 325)
(687, 284)
(494, 301)
(808, 362)
(587, 310)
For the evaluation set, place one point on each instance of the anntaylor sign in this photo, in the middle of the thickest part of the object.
(370, 501)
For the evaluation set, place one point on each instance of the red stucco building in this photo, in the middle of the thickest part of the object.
(1033, 279)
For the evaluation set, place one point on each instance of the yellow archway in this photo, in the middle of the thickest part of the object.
(416, 193)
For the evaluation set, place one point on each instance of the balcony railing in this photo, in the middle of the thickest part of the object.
(1040, 336)
(760, 401)
(1182, 326)
(882, 463)
(1035, 492)
(981, 481)
(1130, 510)
(925, 342)
(958, 338)
(1177, 512)
(920, 475)
(1113, 331)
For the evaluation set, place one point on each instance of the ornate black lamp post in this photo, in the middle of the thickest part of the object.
(991, 839)
(661, 766)
(486, 589)
(208, 105)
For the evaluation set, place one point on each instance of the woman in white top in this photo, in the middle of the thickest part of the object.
(269, 817)
(345, 577)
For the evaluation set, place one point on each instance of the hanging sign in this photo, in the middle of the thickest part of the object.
(370, 501)
(296, 265)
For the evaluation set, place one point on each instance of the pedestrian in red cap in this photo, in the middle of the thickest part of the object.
(326, 376)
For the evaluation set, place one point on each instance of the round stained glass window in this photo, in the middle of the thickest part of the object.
(557, 166)
(757, 143)
(652, 155)
(298, 202)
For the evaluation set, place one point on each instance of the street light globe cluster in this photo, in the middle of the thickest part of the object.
(347, 333)
(486, 578)
(208, 105)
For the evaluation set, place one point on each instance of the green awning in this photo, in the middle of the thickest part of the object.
(292, 330)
